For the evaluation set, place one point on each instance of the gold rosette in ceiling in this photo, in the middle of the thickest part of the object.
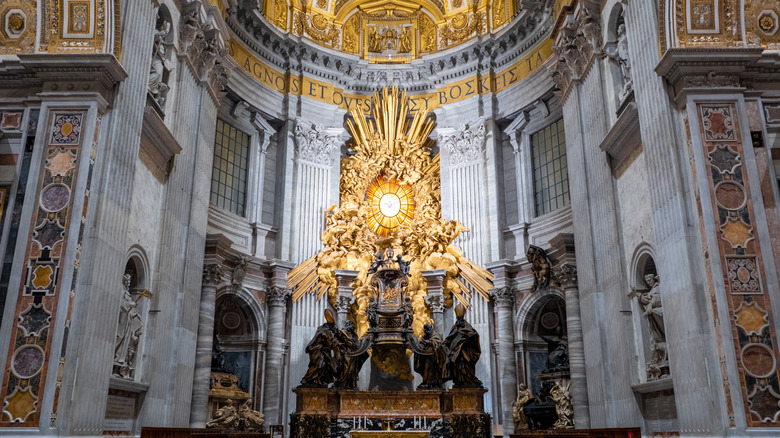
(390, 198)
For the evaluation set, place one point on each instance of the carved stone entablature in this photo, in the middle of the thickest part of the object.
(578, 41)
(465, 144)
(277, 296)
(709, 70)
(204, 53)
(435, 303)
(565, 276)
(74, 74)
(316, 142)
(503, 297)
(213, 275)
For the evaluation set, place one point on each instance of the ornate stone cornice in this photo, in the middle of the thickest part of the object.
(65, 73)
(213, 275)
(464, 143)
(578, 41)
(277, 296)
(565, 275)
(708, 70)
(316, 142)
(503, 297)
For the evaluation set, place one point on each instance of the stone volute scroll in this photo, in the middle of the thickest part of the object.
(650, 302)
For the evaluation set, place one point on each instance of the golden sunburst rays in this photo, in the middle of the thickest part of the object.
(390, 197)
(391, 204)
(389, 131)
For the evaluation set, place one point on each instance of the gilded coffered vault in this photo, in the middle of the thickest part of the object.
(69, 26)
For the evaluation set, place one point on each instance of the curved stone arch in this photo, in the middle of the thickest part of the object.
(258, 321)
(612, 17)
(164, 13)
(136, 254)
(529, 307)
(643, 253)
(351, 7)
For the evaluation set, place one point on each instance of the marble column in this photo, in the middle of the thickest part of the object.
(435, 298)
(345, 298)
(212, 276)
(566, 277)
(504, 301)
(277, 298)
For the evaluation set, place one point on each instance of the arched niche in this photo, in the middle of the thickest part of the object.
(541, 314)
(131, 329)
(239, 332)
(642, 264)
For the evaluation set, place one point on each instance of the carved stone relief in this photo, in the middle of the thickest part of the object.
(465, 144)
(315, 142)
(161, 66)
(579, 39)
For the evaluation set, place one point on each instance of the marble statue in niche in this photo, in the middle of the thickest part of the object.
(161, 67)
(128, 333)
(618, 52)
(650, 301)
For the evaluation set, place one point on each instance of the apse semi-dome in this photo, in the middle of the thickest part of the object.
(389, 31)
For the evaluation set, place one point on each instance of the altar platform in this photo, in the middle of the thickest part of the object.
(176, 432)
(622, 432)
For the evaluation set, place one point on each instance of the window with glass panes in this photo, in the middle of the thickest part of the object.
(551, 179)
(231, 160)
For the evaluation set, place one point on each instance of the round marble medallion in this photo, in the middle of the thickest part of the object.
(550, 320)
(730, 195)
(55, 197)
(27, 361)
(231, 320)
(758, 360)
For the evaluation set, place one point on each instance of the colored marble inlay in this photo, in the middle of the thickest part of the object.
(743, 275)
(25, 372)
(739, 252)
(66, 129)
(718, 123)
(751, 319)
(27, 361)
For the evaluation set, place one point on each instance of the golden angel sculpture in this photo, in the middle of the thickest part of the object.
(390, 199)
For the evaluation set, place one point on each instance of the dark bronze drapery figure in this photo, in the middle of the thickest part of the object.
(463, 352)
(324, 354)
(430, 360)
(347, 377)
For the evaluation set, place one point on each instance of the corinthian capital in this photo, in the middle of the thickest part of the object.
(578, 42)
(343, 303)
(464, 143)
(316, 142)
(212, 275)
(435, 302)
(565, 275)
(277, 296)
(503, 297)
